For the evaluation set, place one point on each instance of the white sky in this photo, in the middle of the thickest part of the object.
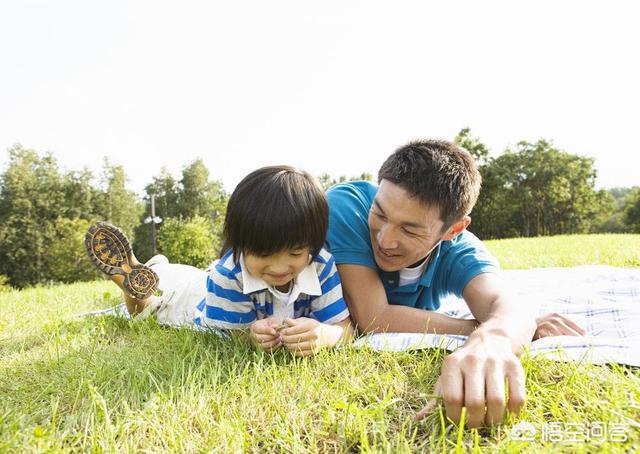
(331, 86)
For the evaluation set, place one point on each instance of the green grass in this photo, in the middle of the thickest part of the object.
(567, 250)
(108, 385)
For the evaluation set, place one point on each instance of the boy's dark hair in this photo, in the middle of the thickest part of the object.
(438, 173)
(276, 208)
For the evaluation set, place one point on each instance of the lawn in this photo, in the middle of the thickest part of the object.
(104, 384)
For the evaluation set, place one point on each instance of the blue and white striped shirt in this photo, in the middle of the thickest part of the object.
(235, 299)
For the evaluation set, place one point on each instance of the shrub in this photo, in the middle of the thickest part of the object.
(191, 242)
(66, 258)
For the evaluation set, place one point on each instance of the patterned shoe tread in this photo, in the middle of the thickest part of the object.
(111, 252)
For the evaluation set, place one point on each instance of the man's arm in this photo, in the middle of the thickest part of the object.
(474, 375)
(371, 311)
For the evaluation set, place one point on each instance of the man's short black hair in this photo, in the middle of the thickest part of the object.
(276, 208)
(438, 173)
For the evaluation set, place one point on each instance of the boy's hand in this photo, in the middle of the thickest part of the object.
(306, 336)
(263, 334)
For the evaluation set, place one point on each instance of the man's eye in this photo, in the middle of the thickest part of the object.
(408, 232)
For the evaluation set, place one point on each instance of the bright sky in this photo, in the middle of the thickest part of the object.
(331, 86)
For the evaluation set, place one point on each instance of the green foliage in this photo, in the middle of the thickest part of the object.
(632, 210)
(473, 145)
(198, 196)
(194, 196)
(536, 190)
(32, 193)
(116, 204)
(66, 259)
(191, 242)
(326, 180)
(40, 208)
(4, 283)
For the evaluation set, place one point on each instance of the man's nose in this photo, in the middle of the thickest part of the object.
(387, 238)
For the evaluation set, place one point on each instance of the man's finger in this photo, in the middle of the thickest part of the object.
(474, 394)
(517, 392)
(495, 392)
(452, 388)
(571, 328)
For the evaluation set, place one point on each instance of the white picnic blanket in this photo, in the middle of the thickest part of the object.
(603, 300)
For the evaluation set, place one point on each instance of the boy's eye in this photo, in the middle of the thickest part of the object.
(296, 253)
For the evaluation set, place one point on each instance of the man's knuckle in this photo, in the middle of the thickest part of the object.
(497, 401)
(474, 404)
(453, 400)
(516, 402)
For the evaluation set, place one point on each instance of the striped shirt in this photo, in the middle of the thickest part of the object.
(235, 299)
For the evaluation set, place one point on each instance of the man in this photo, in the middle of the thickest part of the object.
(402, 246)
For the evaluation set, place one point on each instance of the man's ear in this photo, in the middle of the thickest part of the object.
(457, 228)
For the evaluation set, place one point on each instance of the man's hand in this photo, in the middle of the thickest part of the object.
(306, 336)
(264, 334)
(556, 325)
(474, 377)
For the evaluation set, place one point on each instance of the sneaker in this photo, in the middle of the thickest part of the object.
(110, 251)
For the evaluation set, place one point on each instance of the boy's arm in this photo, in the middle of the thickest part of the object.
(371, 312)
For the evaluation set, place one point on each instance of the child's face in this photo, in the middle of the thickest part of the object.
(280, 268)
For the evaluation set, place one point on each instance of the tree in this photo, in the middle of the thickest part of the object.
(632, 210)
(66, 258)
(166, 192)
(473, 145)
(326, 180)
(198, 196)
(32, 196)
(536, 189)
(191, 242)
(117, 204)
(194, 196)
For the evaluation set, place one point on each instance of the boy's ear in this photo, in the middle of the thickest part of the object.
(457, 228)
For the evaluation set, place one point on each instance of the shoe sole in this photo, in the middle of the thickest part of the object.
(110, 251)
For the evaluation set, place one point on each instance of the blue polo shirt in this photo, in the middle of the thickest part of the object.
(452, 264)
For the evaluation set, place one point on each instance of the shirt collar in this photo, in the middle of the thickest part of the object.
(306, 282)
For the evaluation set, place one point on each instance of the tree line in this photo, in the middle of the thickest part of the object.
(535, 189)
(530, 190)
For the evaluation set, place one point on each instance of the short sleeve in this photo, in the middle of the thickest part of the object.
(330, 306)
(466, 259)
(348, 235)
(226, 306)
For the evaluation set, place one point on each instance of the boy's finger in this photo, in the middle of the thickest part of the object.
(266, 337)
(265, 329)
(270, 344)
(295, 338)
(297, 329)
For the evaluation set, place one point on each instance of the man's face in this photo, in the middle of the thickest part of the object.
(402, 230)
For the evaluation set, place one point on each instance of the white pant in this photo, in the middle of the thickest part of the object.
(183, 287)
